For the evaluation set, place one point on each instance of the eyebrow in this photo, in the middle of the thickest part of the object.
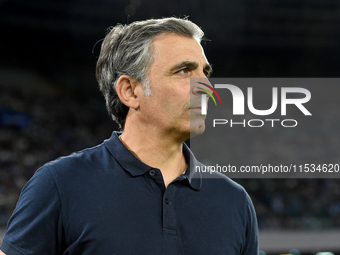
(193, 65)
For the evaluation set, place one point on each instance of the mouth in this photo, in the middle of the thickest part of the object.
(195, 108)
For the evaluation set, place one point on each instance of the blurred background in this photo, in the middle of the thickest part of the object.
(50, 104)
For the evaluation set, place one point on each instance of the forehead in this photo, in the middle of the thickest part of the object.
(171, 48)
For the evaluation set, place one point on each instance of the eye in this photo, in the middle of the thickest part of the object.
(207, 73)
(183, 71)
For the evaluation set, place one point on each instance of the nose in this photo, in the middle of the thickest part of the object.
(201, 92)
(201, 86)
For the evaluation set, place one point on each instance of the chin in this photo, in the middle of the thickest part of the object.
(196, 128)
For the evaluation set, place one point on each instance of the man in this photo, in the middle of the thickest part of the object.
(138, 193)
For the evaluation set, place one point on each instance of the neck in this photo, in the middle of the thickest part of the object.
(156, 149)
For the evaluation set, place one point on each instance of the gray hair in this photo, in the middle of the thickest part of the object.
(127, 49)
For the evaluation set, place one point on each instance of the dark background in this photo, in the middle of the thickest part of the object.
(50, 104)
(258, 38)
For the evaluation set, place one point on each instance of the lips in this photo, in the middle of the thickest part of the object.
(195, 108)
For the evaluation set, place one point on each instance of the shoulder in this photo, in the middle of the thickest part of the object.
(69, 172)
(81, 162)
(225, 189)
(221, 182)
(84, 157)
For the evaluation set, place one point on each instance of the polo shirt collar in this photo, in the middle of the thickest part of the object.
(194, 177)
(124, 157)
(136, 167)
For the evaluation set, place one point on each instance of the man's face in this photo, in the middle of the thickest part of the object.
(174, 106)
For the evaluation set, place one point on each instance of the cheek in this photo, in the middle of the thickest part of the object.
(168, 106)
(175, 105)
(173, 97)
(169, 100)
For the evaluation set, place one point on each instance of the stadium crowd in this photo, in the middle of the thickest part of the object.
(37, 128)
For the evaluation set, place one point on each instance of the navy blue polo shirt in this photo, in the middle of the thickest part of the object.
(103, 200)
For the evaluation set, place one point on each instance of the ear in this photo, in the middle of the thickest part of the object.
(127, 89)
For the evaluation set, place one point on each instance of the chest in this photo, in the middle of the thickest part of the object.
(141, 218)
